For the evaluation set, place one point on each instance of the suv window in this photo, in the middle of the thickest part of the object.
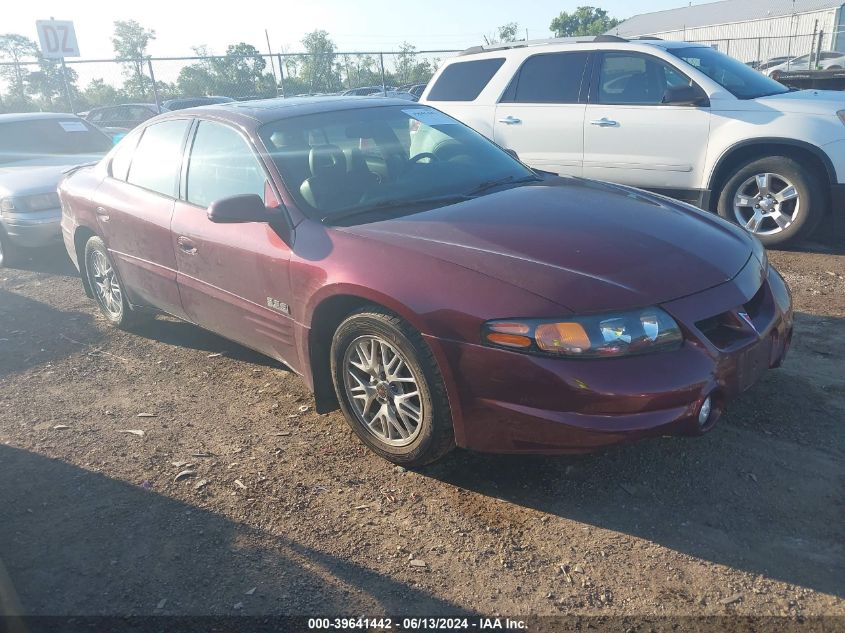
(221, 165)
(464, 81)
(156, 161)
(548, 78)
(636, 79)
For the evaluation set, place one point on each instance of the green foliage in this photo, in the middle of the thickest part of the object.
(317, 65)
(130, 42)
(407, 68)
(505, 33)
(16, 49)
(583, 21)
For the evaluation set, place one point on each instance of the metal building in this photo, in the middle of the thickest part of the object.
(750, 30)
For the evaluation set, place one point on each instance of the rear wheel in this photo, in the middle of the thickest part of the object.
(106, 286)
(390, 388)
(777, 199)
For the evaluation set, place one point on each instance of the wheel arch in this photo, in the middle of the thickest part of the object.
(752, 149)
(330, 309)
(80, 238)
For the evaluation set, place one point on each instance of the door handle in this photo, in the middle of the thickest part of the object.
(604, 122)
(510, 120)
(186, 245)
(104, 215)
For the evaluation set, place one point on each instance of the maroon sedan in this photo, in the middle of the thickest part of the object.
(424, 280)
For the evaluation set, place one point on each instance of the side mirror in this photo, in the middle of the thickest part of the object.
(237, 209)
(685, 95)
(512, 152)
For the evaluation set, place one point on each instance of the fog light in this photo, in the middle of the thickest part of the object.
(704, 412)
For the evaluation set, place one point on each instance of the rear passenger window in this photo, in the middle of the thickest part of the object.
(464, 81)
(158, 157)
(548, 78)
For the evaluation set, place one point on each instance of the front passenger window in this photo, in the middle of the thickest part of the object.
(222, 165)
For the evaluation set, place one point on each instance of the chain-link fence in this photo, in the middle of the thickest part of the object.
(79, 85)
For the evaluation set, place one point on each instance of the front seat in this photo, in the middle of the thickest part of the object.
(330, 186)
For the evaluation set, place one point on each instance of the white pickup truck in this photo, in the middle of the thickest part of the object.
(676, 118)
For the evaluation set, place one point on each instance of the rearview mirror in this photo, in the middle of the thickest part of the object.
(236, 209)
(685, 95)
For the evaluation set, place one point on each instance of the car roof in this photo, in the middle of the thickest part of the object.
(33, 116)
(568, 43)
(266, 110)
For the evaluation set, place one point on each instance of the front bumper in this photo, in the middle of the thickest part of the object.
(518, 403)
(33, 230)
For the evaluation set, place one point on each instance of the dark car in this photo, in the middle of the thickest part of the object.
(365, 91)
(414, 89)
(427, 282)
(193, 102)
(122, 117)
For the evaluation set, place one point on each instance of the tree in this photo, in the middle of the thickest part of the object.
(99, 93)
(130, 42)
(317, 64)
(16, 49)
(407, 69)
(48, 83)
(582, 21)
(505, 33)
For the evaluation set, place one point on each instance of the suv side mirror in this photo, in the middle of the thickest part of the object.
(236, 209)
(512, 152)
(685, 95)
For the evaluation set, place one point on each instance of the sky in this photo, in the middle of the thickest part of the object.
(354, 25)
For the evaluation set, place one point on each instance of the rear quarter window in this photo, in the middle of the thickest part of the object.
(464, 81)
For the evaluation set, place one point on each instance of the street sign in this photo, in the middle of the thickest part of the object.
(57, 38)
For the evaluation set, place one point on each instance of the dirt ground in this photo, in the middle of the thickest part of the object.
(283, 512)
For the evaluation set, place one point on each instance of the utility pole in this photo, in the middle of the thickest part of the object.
(272, 67)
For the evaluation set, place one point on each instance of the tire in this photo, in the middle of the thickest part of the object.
(106, 286)
(377, 398)
(8, 251)
(774, 222)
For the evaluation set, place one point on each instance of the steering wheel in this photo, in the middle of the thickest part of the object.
(419, 157)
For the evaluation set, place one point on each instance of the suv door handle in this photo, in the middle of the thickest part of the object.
(186, 245)
(510, 120)
(604, 122)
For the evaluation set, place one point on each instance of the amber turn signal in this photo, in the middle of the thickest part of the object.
(562, 337)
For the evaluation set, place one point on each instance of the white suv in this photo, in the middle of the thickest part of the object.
(676, 118)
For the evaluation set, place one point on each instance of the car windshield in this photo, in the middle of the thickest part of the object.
(740, 80)
(36, 138)
(395, 159)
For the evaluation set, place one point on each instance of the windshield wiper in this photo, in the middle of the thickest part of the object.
(398, 203)
(507, 180)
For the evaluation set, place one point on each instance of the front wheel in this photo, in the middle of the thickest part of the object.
(390, 388)
(777, 199)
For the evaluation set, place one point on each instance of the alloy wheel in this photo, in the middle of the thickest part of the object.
(383, 389)
(766, 204)
(105, 283)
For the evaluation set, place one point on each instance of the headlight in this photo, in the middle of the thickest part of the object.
(41, 201)
(7, 205)
(593, 336)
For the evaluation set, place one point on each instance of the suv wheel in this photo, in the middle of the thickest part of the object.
(390, 388)
(106, 286)
(775, 198)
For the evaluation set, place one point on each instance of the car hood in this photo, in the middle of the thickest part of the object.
(827, 102)
(38, 176)
(585, 245)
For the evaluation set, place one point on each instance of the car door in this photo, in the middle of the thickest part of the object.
(233, 278)
(541, 113)
(632, 137)
(134, 211)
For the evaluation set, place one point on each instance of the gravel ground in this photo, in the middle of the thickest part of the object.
(168, 471)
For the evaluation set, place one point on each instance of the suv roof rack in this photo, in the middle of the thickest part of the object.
(472, 50)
